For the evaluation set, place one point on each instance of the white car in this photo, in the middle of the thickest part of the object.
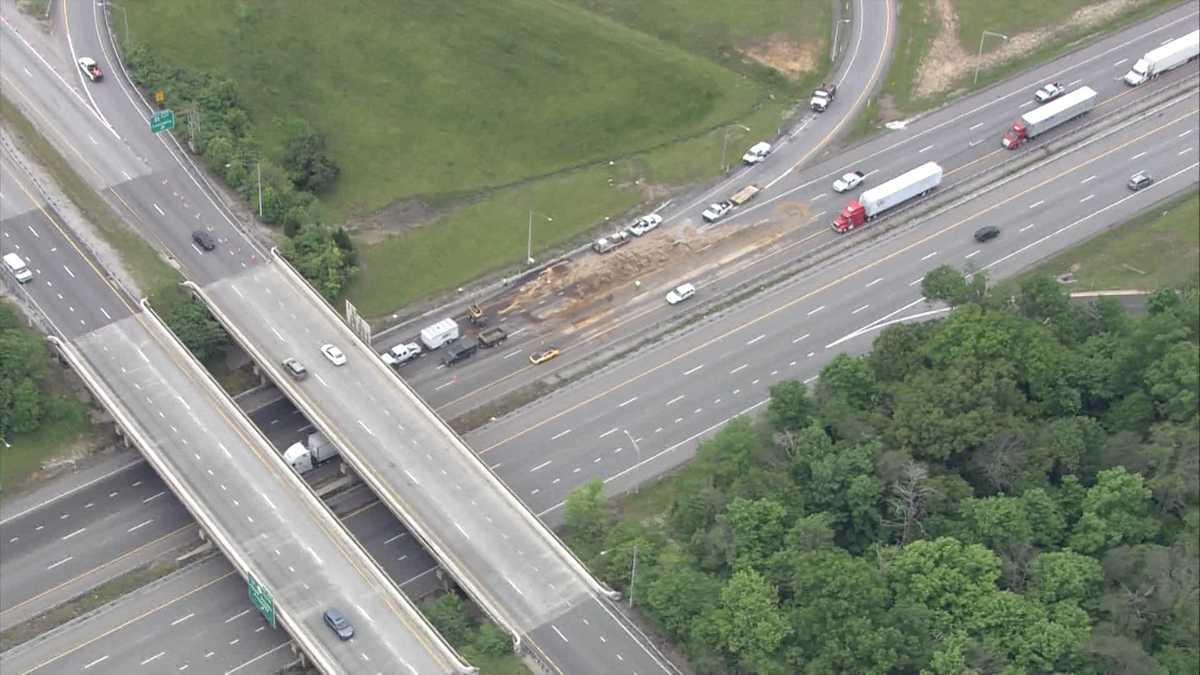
(335, 355)
(716, 210)
(645, 224)
(757, 152)
(90, 69)
(680, 293)
(848, 181)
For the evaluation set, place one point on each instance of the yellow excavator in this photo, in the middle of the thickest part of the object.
(475, 315)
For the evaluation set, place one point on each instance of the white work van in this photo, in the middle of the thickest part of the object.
(18, 268)
(439, 333)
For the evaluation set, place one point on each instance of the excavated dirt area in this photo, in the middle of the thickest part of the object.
(590, 289)
(778, 52)
(948, 62)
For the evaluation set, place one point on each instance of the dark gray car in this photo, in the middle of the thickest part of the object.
(338, 624)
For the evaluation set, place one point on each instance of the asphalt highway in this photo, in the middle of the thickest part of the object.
(543, 485)
(964, 137)
(688, 386)
(253, 505)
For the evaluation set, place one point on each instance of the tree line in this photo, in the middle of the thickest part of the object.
(1012, 489)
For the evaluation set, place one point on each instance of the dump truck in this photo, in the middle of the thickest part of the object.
(492, 337)
(1040, 120)
(891, 194)
(1164, 58)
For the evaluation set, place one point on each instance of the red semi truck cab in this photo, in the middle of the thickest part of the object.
(851, 217)
(1014, 136)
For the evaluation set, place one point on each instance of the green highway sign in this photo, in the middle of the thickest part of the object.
(162, 120)
(260, 597)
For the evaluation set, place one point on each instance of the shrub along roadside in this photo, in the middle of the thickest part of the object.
(222, 133)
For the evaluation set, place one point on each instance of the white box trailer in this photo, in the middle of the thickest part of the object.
(1045, 118)
(321, 449)
(901, 188)
(1162, 59)
(439, 333)
(896, 191)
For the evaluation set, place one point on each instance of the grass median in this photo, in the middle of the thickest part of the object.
(1044, 30)
(88, 602)
(149, 271)
(1158, 248)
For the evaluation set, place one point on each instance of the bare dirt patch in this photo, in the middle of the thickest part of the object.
(397, 218)
(580, 293)
(790, 58)
(948, 62)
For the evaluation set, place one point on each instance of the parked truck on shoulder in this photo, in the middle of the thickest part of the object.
(896, 191)
(1164, 58)
(1040, 120)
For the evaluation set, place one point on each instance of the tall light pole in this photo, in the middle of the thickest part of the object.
(258, 168)
(637, 449)
(725, 142)
(529, 241)
(979, 57)
(632, 574)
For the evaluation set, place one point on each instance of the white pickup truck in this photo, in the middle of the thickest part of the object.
(849, 181)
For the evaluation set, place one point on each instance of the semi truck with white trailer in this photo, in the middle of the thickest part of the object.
(1164, 58)
(1040, 120)
(906, 186)
(303, 457)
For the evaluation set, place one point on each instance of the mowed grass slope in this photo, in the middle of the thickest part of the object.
(427, 97)
(785, 33)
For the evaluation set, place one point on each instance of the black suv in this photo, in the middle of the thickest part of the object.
(987, 233)
(458, 352)
(204, 239)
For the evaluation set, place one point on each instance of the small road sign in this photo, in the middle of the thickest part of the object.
(163, 120)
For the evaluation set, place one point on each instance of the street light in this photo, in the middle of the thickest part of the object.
(637, 449)
(258, 168)
(529, 242)
(726, 142)
(979, 57)
(632, 571)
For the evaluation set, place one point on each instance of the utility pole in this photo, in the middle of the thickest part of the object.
(979, 57)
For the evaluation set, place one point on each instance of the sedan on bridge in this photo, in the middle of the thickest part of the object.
(335, 355)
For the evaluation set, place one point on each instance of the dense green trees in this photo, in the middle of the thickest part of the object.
(223, 134)
(25, 402)
(1014, 488)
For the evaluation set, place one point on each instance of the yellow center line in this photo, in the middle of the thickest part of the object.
(135, 619)
(825, 287)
